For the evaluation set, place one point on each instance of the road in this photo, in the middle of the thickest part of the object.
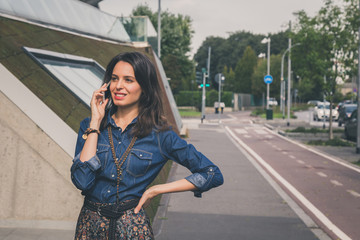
(321, 192)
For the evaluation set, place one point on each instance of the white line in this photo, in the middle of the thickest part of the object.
(247, 136)
(321, 174)
(355, 194)
(345, 164)
(332, 227)
(300, 161)
(240, 131)
(284, 153)
(336, 183)
(291, 156)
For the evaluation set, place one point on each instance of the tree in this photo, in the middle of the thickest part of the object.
(176, 34)
(326, 52)
(244, 70)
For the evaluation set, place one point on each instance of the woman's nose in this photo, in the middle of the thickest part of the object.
(120, 84)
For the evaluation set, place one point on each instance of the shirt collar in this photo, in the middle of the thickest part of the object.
(111, 121)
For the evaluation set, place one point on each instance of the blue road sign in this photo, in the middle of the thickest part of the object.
(268, 79)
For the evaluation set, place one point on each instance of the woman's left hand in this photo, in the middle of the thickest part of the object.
(145, 200)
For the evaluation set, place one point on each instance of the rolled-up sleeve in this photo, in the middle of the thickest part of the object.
(83, 173)
(205, 174)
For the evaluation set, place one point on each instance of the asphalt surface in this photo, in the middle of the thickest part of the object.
(253, 203)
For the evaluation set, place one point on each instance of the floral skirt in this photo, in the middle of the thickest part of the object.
(132, 226)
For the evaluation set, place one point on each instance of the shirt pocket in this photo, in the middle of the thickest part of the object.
(139, 162)
(102, 153)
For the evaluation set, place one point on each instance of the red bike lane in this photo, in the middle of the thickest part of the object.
(327, 189)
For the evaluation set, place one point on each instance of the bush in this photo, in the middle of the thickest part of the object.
(193, 98)
(338, 142)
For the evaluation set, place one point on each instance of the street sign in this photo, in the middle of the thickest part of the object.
(218, 77)
(268, 79)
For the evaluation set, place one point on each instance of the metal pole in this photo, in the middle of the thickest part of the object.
(358, 99)
(220, 78)
(204, 86)
(324, 104)
(268, 73)
(289, 80)
(203, 98)
(159, 30)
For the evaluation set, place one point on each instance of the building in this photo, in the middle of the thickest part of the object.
(53, 55)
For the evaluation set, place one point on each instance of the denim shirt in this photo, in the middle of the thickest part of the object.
(97, 177)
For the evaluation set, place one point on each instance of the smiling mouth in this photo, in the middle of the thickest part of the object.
(120, 96)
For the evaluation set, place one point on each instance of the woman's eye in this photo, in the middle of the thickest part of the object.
(128, 80)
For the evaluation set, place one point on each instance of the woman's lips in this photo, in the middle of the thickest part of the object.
(120, 96)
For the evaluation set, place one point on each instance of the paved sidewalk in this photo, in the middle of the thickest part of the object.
(245, 207)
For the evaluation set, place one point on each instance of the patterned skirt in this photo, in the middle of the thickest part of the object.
(130, 226)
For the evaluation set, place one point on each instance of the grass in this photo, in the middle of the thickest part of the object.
(337, 142)
(189, 113)
(313, 130)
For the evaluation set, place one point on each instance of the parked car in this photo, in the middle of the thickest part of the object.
(345, 112)
(351, 126)
(321, 111)
(273, 102)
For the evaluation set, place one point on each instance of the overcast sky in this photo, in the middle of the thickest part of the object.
(221, 17)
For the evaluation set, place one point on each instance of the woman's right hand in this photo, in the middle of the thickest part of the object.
(98, 106)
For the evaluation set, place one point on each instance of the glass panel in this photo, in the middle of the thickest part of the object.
(80, 75)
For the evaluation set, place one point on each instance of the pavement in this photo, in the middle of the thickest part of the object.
(250, 205)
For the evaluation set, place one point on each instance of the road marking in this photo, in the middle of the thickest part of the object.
(269, 136)
(345, 164)
(336, 183)
(352, 192)
(240, 131)
(309, 166)
(260, 131)
(300, 161)
(291, 156)
(332, 227)
(247, 136)
(321, 174)
(284, 153)
(277, 148)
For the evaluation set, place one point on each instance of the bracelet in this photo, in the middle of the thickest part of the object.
(88, 131)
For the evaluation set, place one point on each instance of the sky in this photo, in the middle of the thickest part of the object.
(223, 17)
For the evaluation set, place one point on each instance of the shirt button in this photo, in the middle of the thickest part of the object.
(119, 142)
(113, 175)
(140, 155)
(108, 191)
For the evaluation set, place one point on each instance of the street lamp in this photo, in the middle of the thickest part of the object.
(267, 40)
(282, 85)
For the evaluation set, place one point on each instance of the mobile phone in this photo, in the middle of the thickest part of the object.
(107, 92)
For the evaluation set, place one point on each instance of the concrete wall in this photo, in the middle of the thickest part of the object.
(34, 174)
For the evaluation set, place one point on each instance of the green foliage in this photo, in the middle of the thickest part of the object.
(312, 130)
(244, 70)
(227, 52)
(176, 34)
(193, 98)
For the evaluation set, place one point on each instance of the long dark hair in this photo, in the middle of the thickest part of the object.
(151, 112)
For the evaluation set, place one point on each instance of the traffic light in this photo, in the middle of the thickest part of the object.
(199, 77)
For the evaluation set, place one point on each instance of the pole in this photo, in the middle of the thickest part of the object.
(289, 80)
(204, 86)
(220, 76)
(268, 73)
(358, 99)
(324, 104)
(159, 30)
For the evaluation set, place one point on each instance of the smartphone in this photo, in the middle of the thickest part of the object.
(107, 92)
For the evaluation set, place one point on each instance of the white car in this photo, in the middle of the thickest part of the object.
(322, 111)
(273, 102)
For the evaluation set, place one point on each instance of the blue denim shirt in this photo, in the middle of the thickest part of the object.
(97, 177)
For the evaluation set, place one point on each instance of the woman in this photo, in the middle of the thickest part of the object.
(121, 149)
